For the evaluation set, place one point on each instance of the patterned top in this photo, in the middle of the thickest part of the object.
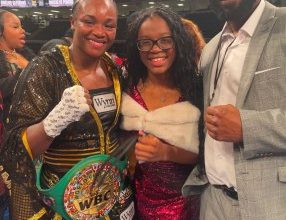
(9, 73)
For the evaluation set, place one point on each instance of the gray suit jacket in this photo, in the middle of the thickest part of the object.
(260, 161)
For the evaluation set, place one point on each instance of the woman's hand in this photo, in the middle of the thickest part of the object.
(74, 103)
(151, 149)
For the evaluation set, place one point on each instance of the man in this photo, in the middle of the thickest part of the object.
(244, 86)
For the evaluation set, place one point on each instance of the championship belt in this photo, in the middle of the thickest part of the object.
(87, 191)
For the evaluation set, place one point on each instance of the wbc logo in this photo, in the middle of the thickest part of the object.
(85, 200)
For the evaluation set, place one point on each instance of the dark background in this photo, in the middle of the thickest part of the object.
(48, 19)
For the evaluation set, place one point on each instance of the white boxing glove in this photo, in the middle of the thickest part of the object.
(72, 106)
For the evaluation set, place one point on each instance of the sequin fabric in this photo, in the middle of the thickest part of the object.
(1, 119)
(9, 73)
(39, 89)
(158, 187)
(63, 154)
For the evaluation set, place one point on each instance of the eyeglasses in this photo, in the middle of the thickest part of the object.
(164, 43)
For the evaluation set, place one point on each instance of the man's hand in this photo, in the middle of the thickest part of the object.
(223, 123)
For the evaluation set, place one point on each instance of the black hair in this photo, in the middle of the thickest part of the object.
(183, 72)
(2, 12)
(76, 7)
(3, 65)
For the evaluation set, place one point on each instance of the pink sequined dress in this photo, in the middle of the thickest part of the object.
(158, 187)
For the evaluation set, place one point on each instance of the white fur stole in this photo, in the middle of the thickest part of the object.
(176, 124)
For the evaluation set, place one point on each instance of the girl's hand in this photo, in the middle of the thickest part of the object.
(151, 149)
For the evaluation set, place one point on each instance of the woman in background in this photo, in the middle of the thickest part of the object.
(13, 55)
(163, 102)
(12, 62)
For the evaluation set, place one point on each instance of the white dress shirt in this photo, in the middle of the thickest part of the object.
(219, 159)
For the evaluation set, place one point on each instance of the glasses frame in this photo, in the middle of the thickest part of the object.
(157, 42)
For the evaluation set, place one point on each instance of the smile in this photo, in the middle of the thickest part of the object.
(96, 44)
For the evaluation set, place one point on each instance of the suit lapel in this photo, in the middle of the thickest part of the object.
(208, 69)
(254, 52)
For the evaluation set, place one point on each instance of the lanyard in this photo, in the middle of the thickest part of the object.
(219, 66)
(103, 138)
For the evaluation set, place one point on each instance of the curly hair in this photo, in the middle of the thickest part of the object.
(194, 31)
(183, 72)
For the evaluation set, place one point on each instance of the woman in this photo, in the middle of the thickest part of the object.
(65, 111)
(12, 57)
(12, 41)
(163, 103)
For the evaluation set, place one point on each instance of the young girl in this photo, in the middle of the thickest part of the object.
(163, 103)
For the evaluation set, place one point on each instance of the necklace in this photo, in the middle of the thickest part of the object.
(163, 95)
(10, 53)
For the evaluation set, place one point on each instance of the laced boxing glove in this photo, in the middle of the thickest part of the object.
(72, 106)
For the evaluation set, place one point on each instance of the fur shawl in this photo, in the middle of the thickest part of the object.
(176, 124)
